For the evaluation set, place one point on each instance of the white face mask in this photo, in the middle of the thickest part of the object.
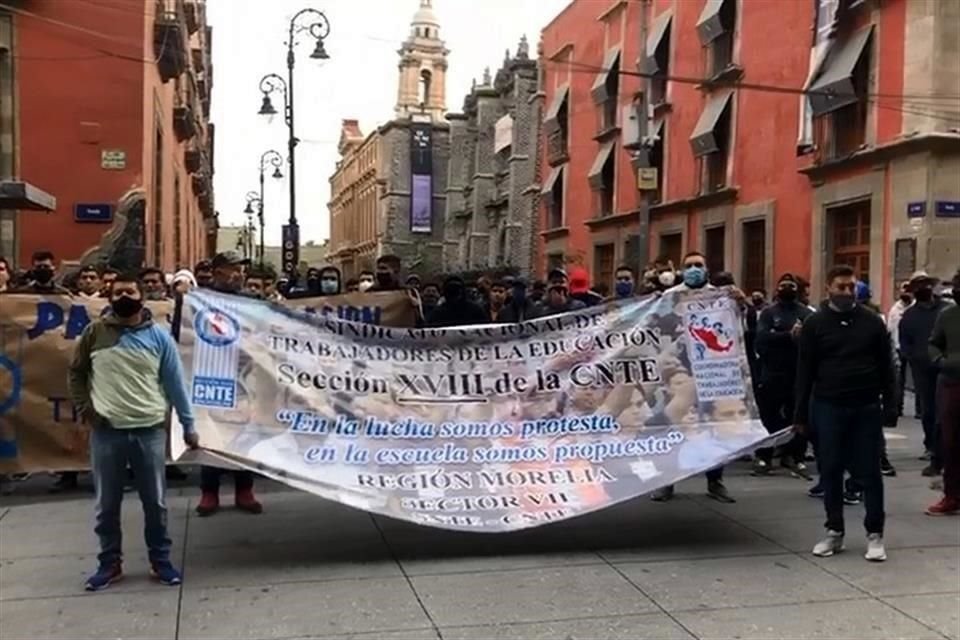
(667, 278)
(365, 285)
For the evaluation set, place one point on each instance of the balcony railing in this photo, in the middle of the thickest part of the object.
(184, 122)
(169, 45)
(557, 152)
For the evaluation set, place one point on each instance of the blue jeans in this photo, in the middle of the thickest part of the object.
(850, 437)
(144, 450)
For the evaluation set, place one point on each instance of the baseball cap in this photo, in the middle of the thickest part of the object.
(579, 280)
(556, 274)
(229, 259)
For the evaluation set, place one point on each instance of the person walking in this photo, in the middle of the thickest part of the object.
(945, 357)
(125, 374)
(228, 278)
(846, 393)
(916, 327)
(894, 315)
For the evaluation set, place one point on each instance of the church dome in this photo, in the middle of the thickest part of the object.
(425, 15)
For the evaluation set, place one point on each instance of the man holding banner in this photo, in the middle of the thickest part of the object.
(125, 374)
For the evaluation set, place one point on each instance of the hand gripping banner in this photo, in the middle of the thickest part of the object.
(486, 428)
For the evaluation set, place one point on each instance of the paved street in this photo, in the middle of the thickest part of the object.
(312, 569)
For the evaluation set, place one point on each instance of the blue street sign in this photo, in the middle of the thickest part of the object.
(93, 213)
(948, 209)
(916, 209)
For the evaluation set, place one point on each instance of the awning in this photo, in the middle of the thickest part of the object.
(15, 194)
(551, 183)
(704, 138)
(599, 88)
(551, 121)
(596, 171)
(834, 88)
(710, 25)
(655, 132)
(657, 39)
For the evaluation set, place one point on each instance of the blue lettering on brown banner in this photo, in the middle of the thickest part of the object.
(50, 316)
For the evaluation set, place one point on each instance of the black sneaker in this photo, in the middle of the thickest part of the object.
(760, 468)
(718, 492)
(925, 457)
(66, 481)
(796, 469)
(931, 471)
(852, 497)
(886, 468)
(816, 491)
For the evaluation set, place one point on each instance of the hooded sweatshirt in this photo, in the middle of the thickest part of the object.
(129, 375)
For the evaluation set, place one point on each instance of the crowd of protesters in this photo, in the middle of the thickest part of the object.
(835, 372)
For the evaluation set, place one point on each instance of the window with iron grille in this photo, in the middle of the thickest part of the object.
(714, 165)
(715, 243)
(606, 193)
(671, 247)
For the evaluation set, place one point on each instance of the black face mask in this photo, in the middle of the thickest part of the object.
(384, 278)
(43, 274)
(787, 295)
(924, 295)
(126, 307)
(452, 292)
(906, 298)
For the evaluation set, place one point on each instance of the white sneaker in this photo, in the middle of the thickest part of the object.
(830, 545)
(875, 549)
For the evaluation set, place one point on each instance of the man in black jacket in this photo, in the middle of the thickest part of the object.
(456, 309)
(778, 329)
(228, 270)
(846, 389)
(916, 327)
(520, 307)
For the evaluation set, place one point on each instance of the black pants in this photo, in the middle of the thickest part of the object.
(902, 383)
(925, 383)
(210, 479)
(776, 406)
(850, 438)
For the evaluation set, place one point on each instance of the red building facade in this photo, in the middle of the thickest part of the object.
(111, 116)
(760, 177)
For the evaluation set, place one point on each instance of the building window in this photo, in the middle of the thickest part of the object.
(754, 255)
(177, 223)
(711, 141)
(715, 246)
(556, 125)
(671, 247)
(158, 197)
(716, 28)
(606, 91)
(838, 94)
(657, 158)
(658, 57)
(602, 179)
(553, 198)
(850, 237)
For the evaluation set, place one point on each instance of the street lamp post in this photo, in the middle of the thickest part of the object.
(319, 28)
(274, 159)
(252, 200)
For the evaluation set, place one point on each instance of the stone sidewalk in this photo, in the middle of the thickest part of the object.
(308, 568)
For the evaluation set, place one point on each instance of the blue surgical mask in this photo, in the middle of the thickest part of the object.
(329, 286)
(695, 277)
(624, 289)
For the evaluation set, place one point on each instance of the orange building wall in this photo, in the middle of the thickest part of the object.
(63, 81)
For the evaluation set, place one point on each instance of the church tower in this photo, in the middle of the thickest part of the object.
(423, 68)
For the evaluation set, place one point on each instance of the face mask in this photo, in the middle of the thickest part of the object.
(385, 279)
(787, 295)
(924, 295)
(842, 301)
(126, 307)
(667, 278)
(906, 298)
(624, 289)
(43, 274)
(364, 285)
(452, 292)
(757, 301)
(328, 285)
(695, 277)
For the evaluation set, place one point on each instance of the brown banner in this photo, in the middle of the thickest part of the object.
(39, 430)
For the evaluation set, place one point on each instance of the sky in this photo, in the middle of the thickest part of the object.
(358, 81)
